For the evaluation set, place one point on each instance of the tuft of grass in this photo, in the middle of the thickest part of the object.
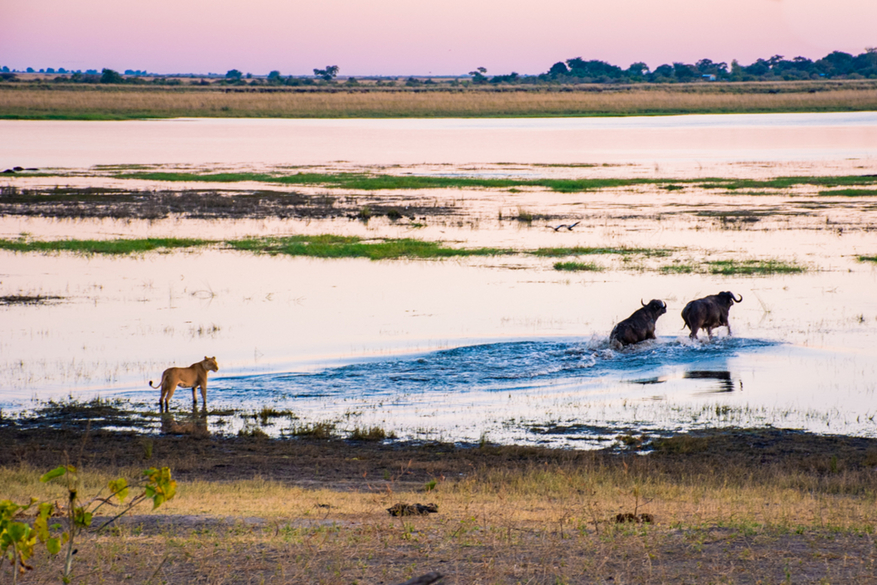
(525, 216)
(753, 267)
(679, 268)
(374, 433)
(252, 433)
(867, 258)
(318, 430)
(108, 247)
(577, 266)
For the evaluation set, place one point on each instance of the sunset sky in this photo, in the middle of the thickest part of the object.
(405, 37)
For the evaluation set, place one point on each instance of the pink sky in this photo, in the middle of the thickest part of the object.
(403, 37)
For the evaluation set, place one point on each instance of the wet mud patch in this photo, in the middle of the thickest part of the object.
(103, 202)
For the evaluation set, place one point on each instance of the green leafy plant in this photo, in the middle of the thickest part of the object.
(18, 540)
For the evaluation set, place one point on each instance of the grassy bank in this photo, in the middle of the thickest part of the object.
(375, 182)
(35, 101)
(337, 247)
(723, 506)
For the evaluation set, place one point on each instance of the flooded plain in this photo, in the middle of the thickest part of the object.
(504, 348)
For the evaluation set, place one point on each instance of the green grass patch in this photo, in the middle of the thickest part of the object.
(867, 258)
(753, 267)
(734, 267)
(785, 182)
(109, 247)
(850, 193)
(351, 247)
(679, 268)
(577, 267)
(374, 182)
(370, 182)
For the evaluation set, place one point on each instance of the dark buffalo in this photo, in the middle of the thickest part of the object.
(708, 313)
(639, 326)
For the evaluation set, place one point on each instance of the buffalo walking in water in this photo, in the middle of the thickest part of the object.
(639, 326)
(708, 313)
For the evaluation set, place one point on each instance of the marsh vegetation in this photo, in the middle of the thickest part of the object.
(119, 103)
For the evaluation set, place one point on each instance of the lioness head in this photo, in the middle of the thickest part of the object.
(210, 363)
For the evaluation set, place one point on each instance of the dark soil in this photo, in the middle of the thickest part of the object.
(84, 434)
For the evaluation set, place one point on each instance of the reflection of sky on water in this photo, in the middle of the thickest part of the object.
(679, 144)
(459, 348)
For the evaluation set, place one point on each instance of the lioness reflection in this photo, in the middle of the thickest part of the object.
(194, 424)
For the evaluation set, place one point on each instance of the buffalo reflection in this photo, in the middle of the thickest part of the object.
(723, 378)
(194, 424)
(724, 383)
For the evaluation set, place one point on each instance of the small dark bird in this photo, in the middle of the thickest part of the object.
(563, 225)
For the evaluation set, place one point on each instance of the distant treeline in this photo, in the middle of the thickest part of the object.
(835, 65)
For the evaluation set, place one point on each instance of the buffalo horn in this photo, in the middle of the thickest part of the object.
(642, 303)
(737, 300)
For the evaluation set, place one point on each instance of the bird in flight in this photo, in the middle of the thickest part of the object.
(563, 225)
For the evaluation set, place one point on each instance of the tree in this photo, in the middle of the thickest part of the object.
(110, 76)
(478, 76)
(685, 72)
(708, 67)
(637, 71)
(234, 75)
(513, 77)
(836, 63)
(327, 74)
(662, 73)
(274, 77)
(558, 69)
(593, 69)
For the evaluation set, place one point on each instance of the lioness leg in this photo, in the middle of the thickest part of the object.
(168, 395)
(204, 393)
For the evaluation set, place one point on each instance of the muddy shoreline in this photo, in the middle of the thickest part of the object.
(89, 435)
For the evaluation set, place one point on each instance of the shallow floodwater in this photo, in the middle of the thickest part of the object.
(505, 348)
(669, 145)
(452, 350)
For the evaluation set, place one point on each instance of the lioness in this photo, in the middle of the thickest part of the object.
(191, 377)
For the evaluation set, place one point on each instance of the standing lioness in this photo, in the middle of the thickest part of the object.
(191, 377)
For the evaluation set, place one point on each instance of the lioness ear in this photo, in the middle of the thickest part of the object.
(206, 358)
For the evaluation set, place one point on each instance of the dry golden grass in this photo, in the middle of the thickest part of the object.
(541, 525)
(90, 102)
